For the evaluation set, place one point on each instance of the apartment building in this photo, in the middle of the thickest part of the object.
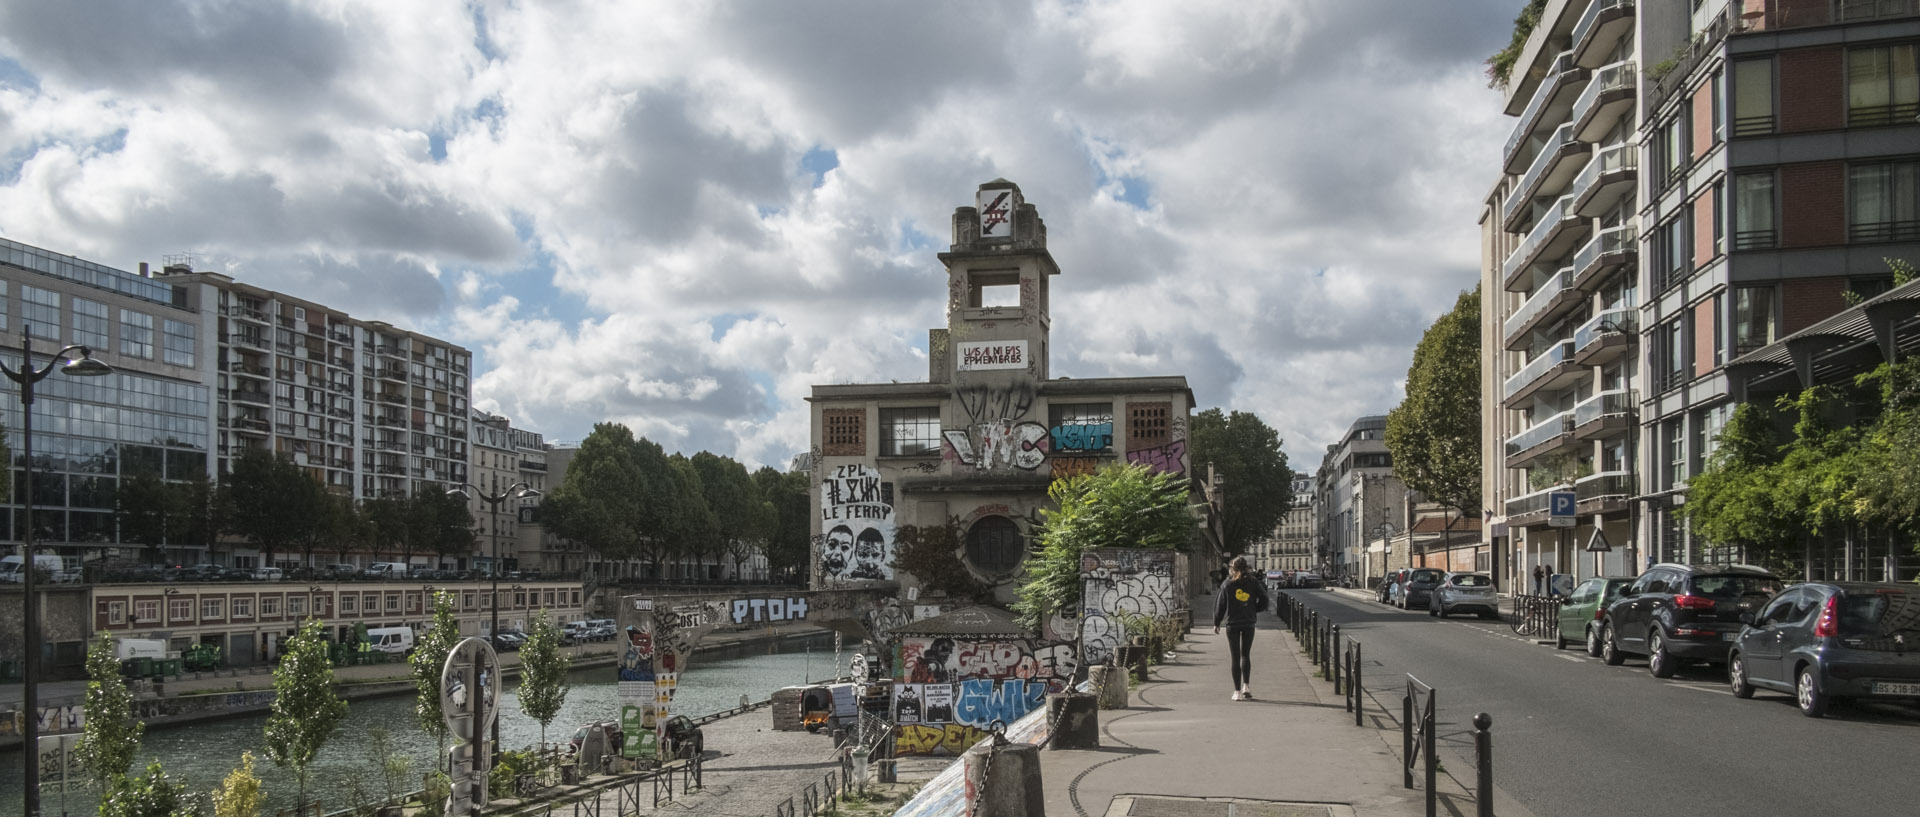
(1686, 181)
(1357, 500)
(1290, 547)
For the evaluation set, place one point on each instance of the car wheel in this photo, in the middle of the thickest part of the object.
(1807, 692)
(1559, 640)
(1593, 641)
(699, 745)
(1433, 611)
(1658, 661)
(1610, 650)
(1737, 676)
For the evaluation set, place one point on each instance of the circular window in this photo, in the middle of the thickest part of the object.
(994, 545)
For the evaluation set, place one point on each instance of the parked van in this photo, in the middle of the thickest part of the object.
(51, 566)
(387, 570)
(397, 640)
(268, 574)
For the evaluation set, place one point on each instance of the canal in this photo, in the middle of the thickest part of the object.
(201, 754)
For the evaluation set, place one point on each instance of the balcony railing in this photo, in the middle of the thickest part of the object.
(1606, 403)
(1555, 355)
(1619, 484)
(1796, 15)
(1622, 77)
(1523, 253)
(1535, 502)
(1548, 156)
(1548, 290)
(1624, 319)
(1609, 245)
(1557, 72)
(1542, 432)
(1612, 160)
(1591, 18)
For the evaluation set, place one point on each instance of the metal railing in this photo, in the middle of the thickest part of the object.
(1544, 431)
(1523, 253)
(1604, 404)
(1529, 118)
(1539, 366)
(1537, 302)
(1623, 156)
(1548, 156)
(1622, 320)
(1535, 616)
(1619, 76)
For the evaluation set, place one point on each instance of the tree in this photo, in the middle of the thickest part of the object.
(150, 795)
(387, 527)
(1732, 499)
(790, 538)
(1500, 65)
(1259, 485)
(543, 672)
(110, 737)
(151, 512)
(599, 501)
(1121, 505)
(306, 709)
(740, 515)
(691, 529)
(439, 523)
(240, 795)
(205, 509)
(428, 660)
(335, 526)
(1434, 434)
(931, 553)
(272, 501)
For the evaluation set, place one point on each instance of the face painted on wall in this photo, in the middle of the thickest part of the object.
(869, 552)
(838, 550)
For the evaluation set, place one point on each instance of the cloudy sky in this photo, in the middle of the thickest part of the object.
(681, 216)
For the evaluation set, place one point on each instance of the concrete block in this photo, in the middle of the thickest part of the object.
(1076, 720)
(1009, 786)
(1111, 685)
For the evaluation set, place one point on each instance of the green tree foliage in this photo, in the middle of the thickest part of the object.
(306, 710)
(1246, 452)
(1500, 65)
(271, 500)
(1434, 434)
(151, 513)
(1121, 505)
(1732, 500)
(334, 528)
(601, 501)
(241, 794)
(743, 519)
(387, 527)
(110, 737)
(931, 553)
(790, 538)
(150, 795)
(1889, 455)
(439, 523)
(543, 672)
(691, 527)
(428, 660)
(206, 510)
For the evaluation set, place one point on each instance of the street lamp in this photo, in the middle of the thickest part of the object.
(86, 366)
(517, 490)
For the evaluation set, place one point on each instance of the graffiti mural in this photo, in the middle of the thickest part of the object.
(856, 511)
(997, 436)
(948, 718)
(1119, 583)
(1069, 467)
(1078, 437)
(756, 610)
(1169, 458)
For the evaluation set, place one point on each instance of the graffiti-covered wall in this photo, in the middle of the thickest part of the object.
(856, 517)
(1122, 582)
(948, 693)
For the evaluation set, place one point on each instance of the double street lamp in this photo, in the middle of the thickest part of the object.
(26, 376)
(518, 490)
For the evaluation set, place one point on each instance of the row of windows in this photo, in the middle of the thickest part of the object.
(915, 430)
(1882, 86)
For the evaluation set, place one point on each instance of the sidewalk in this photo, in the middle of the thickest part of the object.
(1294, 751)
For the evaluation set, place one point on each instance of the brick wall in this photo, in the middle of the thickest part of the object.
(1704, 219)
(1807, 301)
(1813, 209)
(1706, 330)
(1703, 140)
(1812, 90)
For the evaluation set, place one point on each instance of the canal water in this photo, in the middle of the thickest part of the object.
(201, 754)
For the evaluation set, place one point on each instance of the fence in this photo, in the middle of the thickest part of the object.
(1536, 616)
(1341, 660)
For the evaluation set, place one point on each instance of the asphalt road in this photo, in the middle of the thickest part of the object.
(1573, 737)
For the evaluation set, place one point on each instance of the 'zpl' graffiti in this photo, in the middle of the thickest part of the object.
(857, 515)
(1120, 583)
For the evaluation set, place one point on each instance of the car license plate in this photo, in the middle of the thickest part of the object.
(1890, 688)
(1729, 636)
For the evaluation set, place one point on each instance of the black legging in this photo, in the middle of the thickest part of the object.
(1240, 643)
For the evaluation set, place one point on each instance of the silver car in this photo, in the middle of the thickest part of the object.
(1464, 593)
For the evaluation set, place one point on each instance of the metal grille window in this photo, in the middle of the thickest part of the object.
(90, 323)
(846, 432)
(243, 608)
(1882, 85)
(994, 545)
(40, 311)
(1148, 424)
(909, 432)
(296, 606)
(1883, 202)
(269, 606)
(136, 334)
(178, 337)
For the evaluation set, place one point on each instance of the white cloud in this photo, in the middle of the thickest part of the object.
(618, 223)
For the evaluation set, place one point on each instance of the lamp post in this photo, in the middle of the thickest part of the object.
(517, 490)
(86, 366)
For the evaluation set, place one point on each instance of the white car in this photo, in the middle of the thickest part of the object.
(1464, 593)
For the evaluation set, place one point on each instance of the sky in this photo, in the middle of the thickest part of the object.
(683, 216)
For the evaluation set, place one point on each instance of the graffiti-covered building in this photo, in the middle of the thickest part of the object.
(973, 449)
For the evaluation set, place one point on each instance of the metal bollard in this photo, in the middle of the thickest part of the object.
(1353, 682)
(1406, 738)
(1336, 660)
(1483, 749)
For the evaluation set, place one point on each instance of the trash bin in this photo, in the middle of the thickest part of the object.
(139, 667)
(169, 667)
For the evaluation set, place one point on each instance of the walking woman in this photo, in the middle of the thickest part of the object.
(1242, 596)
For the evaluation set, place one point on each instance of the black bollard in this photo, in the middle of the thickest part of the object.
(1483, 749)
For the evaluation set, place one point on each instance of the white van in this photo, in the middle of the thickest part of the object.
(397, 640)
(51, 566)
(387, 570)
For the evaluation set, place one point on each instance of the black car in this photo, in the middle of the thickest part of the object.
(682, 738)
(1420, 584)
(1826, 640)
(1675, 613)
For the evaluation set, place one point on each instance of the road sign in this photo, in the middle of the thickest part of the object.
(1599, 543)
(1560, 507)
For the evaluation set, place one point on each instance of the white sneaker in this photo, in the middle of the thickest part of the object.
(1236, 695)
(1246, 693)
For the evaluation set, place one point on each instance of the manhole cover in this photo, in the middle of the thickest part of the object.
(1167, 807)
(1205, 807)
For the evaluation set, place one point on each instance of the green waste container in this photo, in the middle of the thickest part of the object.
(139, 667)
(170, 667)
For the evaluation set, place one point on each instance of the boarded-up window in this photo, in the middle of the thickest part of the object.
(846, 432)
(1148, 425)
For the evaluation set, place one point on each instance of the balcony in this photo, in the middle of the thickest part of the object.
(1530, 509)
(1558, 160)
(1797, 15)
(1552, 236)
(390, 421)
(1605, 414)
(250, 396)
(249, 341)
(530, 465)
(258, 425)
(248, 313)
(1608, 178)
(1606, 336)
(1605, 493)
(1607, 98)
(1546, 437)
(1601, 28)
(1555, 297)
(1611, 250)
(1550, 104)
(1551, 369)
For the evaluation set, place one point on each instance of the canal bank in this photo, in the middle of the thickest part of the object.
(196, 697)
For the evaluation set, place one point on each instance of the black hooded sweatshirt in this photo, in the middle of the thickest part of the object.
(1240, 601)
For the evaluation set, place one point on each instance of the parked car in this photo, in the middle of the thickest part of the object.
(615, 734)
(1676, 612)
(1418, 586)
(504, 641)
(268, 574)
(387, 570)
(1308, 580)
(682, 738)
(1823, 641)
(1585, 608)
(1464, 593)
(1390, 584)
(341, 572)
